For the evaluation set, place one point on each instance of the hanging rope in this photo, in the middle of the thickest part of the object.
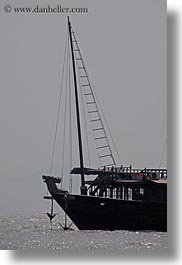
(59, 105)
(51, 215)
(65, 115)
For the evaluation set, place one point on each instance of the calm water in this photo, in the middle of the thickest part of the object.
(32, 231)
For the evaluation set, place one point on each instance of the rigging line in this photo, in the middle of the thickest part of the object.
(59, 104)
(96, 99)
(106, 124)
(70, 124)
(90, 85)
(94, 95)
(65, 115)
(78, 49)
(162, 155)
(84, 116)
(94, 135)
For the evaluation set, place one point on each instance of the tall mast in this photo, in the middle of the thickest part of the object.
(77, 112)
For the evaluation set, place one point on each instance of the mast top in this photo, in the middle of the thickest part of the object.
(68, 20)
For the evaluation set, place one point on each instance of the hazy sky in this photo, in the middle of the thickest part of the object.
(124, 45)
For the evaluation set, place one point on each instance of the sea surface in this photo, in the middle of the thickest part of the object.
(33, 232)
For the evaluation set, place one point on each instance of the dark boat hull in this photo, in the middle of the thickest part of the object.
(98, 213)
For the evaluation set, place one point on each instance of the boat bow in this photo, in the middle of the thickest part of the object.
(51, 185)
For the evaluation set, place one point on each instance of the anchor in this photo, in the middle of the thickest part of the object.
(65, 227)
(51, 215)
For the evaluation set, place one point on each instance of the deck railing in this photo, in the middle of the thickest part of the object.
(103, 180)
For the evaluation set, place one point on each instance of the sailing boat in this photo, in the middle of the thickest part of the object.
(117, 197)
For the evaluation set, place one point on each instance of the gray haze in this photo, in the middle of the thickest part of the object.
(124, 45)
